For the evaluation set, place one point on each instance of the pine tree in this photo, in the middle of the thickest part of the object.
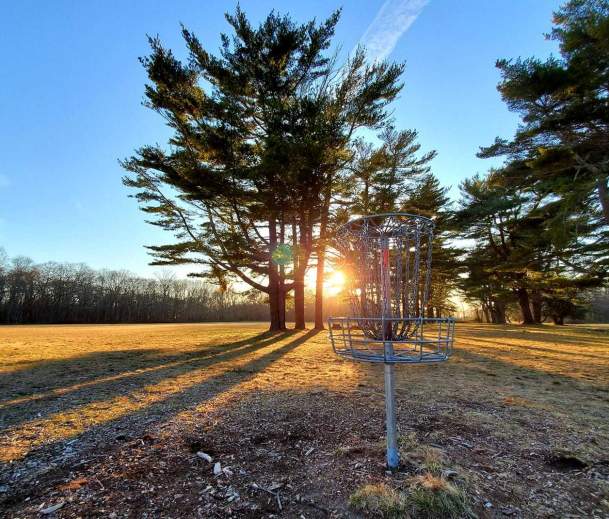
(383, 177)
(261, 133)
(564, 105)
(430, 199)
(224, 187)
(516, 244)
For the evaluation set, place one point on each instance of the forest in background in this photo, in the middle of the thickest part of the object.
(74, 293)
(69, 293)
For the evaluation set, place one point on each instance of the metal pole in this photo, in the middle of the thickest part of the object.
(393, 457)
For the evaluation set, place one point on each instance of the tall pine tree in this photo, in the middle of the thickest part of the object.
(564, 105)
(260, 134)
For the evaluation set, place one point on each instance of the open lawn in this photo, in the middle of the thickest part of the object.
(106, 421)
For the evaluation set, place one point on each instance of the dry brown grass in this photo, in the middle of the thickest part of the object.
(60, 381)
(432, 497)
(508, 392)
(379, 500)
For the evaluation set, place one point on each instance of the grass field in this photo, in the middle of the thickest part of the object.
(106, 421)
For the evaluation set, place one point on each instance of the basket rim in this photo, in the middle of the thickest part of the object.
(364, 218)
(380, 318)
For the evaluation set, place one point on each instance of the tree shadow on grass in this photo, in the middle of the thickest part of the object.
(68, 383)
(137, 422)
(537, 333)
(508, 370)
(48, 374)
(531, 349)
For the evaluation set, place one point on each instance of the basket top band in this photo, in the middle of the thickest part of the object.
(386, 225)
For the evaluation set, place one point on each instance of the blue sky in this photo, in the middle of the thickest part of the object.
(71, 89)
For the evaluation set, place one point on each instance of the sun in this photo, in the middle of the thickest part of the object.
(334, 282)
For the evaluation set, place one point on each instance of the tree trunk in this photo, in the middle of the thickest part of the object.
(486, 313)
(277, 322)
(281, 285)
(299, 275)
(501, 313)
(281, 298)
(319, 286)
(603, 196)
(525, 307)
(321, 262)
(498, 310)
(299, 300)
(274, 317)
(536, 303)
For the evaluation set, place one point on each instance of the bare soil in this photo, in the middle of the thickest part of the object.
(107, 421)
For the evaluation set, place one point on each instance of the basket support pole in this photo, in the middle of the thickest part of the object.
(393, 457)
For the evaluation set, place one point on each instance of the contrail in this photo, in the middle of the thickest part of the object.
(393, 19)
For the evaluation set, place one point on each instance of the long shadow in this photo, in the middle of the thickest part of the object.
(50, 374)
(150, 369)
(540, 333)
(529, 349)
(501, 363)
(143, 419)
(494, 378)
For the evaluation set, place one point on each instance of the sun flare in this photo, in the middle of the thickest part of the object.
(334, 282)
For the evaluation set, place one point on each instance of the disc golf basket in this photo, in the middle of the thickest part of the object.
(387, 259)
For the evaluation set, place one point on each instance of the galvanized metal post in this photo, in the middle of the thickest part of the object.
(393, 456)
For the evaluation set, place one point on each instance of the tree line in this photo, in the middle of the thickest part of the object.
(275, 144)
(74, 293)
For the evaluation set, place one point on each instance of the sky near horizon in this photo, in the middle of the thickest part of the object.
(71, 89)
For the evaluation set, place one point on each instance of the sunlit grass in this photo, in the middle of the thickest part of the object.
(425, 497)
(379, 500)
(59, 382)
(43, 401)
